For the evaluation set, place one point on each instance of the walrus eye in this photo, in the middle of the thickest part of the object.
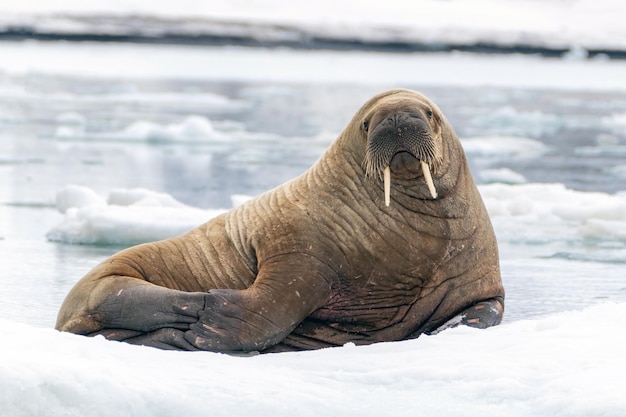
(366, 126)
(429, 113)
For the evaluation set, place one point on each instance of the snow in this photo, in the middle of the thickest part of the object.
(616, 121)
(503, 175)
(128, 217)
(568, 364)
(574, 24)
(192, 129)
(507, 120)
(130, 61)
(540, 213)
(502, 146)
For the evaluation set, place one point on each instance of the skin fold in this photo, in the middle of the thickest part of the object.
(321, 260)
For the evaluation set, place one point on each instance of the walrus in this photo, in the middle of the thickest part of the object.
(384, 238)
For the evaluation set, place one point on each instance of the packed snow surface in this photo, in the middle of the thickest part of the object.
(569, 364)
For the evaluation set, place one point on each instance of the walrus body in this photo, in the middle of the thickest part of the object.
(321, 260)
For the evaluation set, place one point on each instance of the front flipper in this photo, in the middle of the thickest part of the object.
(233, 320)
(288, 289)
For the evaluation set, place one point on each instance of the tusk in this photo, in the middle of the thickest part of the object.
(429, 179)
(387, 177)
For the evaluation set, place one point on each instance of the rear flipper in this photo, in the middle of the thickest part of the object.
(481, 315)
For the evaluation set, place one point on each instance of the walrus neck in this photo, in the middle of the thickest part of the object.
(339, 172)
(341, 164)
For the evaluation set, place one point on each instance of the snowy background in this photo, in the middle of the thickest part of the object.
(128, 121)
(549, 26)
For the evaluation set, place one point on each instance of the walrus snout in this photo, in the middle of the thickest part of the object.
(397, 133)
(401, 142)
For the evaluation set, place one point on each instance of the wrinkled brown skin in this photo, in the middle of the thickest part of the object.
(319, 261)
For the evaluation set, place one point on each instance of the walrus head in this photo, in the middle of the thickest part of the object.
(403, 141)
